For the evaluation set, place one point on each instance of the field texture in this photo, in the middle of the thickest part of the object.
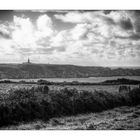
(21, 104)
(110, 88)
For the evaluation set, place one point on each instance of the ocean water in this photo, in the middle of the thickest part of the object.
(90, 79)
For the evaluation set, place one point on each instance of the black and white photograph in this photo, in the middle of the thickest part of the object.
(69, 69)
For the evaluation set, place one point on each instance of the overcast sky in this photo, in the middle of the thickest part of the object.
(95, 38)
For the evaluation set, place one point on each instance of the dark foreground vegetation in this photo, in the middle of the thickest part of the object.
(38, 103)
(120, 118)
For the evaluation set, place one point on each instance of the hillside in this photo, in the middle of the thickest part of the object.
(20, 71)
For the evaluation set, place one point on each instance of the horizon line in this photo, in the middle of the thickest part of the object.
(69, 64)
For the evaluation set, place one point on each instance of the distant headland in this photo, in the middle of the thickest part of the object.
(28, 70)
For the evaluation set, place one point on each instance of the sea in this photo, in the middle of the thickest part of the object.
(89, 80)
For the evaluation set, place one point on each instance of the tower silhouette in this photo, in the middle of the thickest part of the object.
(28, 61)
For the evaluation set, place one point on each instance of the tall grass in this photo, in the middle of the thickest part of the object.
(23, 104)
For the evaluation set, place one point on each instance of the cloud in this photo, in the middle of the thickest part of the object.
(62, 38)
(98, 37)
(50, 50)
(4, 32)
(24, 35)
(74, 17)
(101, 36)
(126, 24)
(34, 38)
(23, 32)
(80, 31)
(130, 37)
(44, 26)
(119, 18)
(4, 35)
(6, 48)
(28, 35)
(39, 10)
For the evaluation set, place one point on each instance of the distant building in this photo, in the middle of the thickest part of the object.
(28, 62)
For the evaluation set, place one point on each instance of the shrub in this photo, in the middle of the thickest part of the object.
(28, 104)
(43, 82)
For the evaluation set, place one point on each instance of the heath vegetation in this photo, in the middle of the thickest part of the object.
(40, 103)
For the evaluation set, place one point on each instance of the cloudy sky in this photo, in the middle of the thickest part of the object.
(93, 38)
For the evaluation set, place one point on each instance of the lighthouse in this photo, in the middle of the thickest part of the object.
(28, 61)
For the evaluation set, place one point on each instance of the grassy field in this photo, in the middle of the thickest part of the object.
(110, 88)
(20, 104)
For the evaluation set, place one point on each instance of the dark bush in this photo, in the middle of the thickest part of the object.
(43, 82)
